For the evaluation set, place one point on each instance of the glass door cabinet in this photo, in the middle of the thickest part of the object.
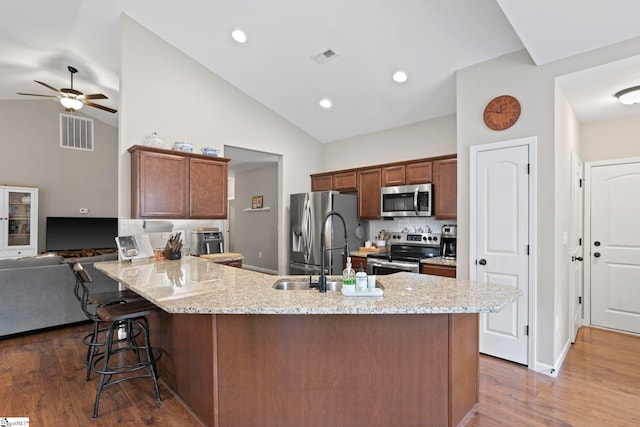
(18, 221)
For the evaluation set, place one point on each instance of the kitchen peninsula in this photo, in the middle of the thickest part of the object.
(239, 352)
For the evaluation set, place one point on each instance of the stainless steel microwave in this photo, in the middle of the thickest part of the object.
(406, 200)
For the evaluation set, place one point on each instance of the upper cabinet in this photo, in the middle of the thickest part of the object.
(174, 184)
(445, 188)
(393, 175)
(369, 184)
(419, 172)
(322, 182)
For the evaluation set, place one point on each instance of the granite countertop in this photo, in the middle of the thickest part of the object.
(194, 285)
(439, 261)
(223, 257)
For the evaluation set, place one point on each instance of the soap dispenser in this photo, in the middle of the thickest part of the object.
(361, 280)
(349, 277)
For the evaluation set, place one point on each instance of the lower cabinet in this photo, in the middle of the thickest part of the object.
(357, 261)
(438, 270)
(237, 263)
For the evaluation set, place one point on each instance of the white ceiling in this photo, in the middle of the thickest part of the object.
(428, 39)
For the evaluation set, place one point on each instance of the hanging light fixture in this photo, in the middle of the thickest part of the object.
(629, 96)
(71, 104)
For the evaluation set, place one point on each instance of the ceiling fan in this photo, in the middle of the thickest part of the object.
(72, 99)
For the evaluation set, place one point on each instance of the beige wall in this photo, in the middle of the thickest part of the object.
(534, 86)
(67, 179)
(163, 90)
(611, 139)
(428, 138)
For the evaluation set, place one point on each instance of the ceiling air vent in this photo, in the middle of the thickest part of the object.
(76, 132)
(324, 56)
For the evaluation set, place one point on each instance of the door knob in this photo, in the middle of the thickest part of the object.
(576, 258)
(482, 261)
(596, 254)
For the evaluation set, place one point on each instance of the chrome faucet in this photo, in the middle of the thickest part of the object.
(323, 248)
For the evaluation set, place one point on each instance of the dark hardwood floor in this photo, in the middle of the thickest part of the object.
(42, 377)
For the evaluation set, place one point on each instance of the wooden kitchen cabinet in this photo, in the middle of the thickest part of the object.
(369, 183)
(357, 261)
(322, 182)
(393, 175)
(419, 173)
(438, 270)
(445, 191)
(171, 184)
(345, 181)
(236, 263)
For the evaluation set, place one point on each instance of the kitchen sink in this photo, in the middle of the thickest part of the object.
(303, 285)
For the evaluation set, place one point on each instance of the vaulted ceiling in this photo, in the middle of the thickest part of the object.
(370, 39)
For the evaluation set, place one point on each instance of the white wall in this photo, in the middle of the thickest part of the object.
(429, 138)
(163, 90)
(611, 139)
(67, 179)
(567, 137)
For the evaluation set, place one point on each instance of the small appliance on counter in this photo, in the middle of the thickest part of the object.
(448, 241)
(206, 242)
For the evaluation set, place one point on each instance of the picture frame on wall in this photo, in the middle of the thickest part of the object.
(256, 202)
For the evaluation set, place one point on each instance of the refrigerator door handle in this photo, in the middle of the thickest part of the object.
(307, 235)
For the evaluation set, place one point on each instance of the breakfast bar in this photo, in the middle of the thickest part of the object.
(239, 352)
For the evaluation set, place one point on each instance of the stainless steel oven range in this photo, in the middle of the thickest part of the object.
(405, 252)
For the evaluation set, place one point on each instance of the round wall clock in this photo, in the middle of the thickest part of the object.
(501, 112)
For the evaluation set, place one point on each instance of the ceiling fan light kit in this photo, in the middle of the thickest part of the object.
(629, 96)
(72, 99)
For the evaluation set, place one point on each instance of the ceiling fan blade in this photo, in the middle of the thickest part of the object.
(35, 94)
(47, 86)
(102, 107)
(93, 96)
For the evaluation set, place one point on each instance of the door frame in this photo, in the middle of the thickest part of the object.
(576, 289)
(588, 166)
(531, 142)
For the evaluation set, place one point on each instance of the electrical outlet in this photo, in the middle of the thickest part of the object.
(259, 254)
(84, 210)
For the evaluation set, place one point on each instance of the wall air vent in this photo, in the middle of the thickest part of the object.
(76, 132)
(324, 56)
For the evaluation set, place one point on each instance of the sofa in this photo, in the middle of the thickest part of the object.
(38, 292)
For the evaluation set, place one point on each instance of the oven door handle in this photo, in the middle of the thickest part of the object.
(400, 264)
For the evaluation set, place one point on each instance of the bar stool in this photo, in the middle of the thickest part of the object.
(128, 315)
(131, 317)
(88, 299)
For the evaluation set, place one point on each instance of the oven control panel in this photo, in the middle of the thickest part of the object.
(420, 238)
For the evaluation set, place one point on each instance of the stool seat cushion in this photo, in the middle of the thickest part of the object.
(129, 310)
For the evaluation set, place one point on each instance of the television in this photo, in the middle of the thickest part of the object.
(75, 233)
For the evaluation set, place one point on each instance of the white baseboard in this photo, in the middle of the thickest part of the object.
(552, 371)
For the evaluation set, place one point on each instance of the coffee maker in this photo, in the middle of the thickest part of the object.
(448, 241)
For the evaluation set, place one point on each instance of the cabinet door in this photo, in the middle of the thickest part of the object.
(419, 173)
(159, 185)
(357, 261)
(207, 189)
(445, 188)
(321, 182)
(345, 181)
(438, 270)
(369, 182)
(19, 222)
(393, 175)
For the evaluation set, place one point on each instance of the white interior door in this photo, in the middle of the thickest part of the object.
(615, 246)
(501, 249)
(576, 268)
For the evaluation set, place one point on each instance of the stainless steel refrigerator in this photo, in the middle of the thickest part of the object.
(307, 212)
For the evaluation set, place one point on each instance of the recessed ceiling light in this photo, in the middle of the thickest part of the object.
(325, 103)
(629, 96)
(400, 76)
(239, 36)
